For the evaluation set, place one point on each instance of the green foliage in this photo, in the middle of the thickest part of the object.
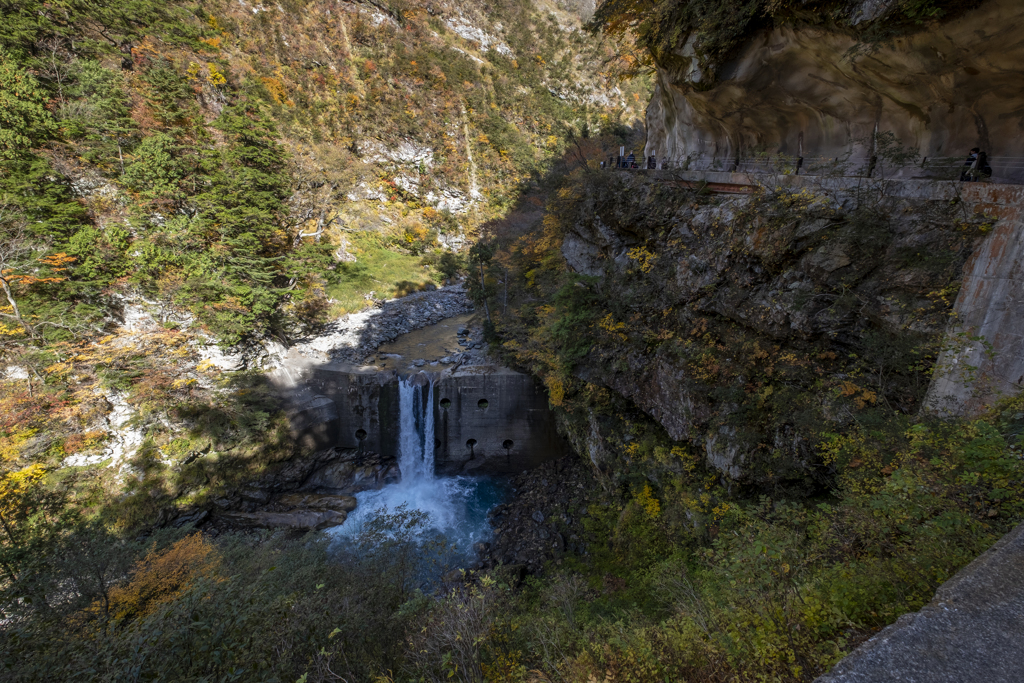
(98, 115)
(576, 305)
(449, 265)
(779, 590)
(169, 94)
(24, 121)
(260, 609)
(109, 26)
(100, 255)
(32, 187)
(157, 170)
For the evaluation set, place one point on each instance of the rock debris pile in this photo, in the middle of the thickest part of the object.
(354, 337)
(544, 519)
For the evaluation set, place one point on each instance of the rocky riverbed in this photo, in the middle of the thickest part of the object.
(355, 338)
(307, 493)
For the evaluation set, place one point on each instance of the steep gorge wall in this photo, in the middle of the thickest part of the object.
(753, 326)
(808, 91)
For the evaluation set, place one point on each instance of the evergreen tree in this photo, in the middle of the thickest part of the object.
(99, 116)
(239, 282)
(157, 170)
(24, 120)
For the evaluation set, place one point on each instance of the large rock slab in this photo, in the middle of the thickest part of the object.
(300, 520)
(316, 501)
(971, 631)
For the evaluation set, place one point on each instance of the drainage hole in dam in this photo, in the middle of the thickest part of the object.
(482, 403)
(437, 443)
(446, 403)
(360, 434)
(507, 444)
(471, 443)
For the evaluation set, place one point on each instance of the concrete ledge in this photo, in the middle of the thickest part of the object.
(971, 632)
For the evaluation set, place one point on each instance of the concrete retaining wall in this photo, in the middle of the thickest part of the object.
(496, 422)
(488, 419)
(984, 359)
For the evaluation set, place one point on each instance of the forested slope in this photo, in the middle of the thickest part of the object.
(243, 174)
(178, 176)
(199, 153)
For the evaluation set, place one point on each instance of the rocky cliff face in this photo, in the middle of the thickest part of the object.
(808, 91)
(753, 326)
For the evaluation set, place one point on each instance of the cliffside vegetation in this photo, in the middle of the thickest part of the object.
(746, 378)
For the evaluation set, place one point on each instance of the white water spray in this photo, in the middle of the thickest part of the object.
(455, 506)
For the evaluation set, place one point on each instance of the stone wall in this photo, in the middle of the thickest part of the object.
(497, 421)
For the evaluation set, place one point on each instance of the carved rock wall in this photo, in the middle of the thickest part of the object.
(807, 91)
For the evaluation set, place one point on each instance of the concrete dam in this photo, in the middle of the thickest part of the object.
(488, 419)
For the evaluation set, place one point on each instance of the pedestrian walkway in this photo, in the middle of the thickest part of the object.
(1005, 169)
(969, 633)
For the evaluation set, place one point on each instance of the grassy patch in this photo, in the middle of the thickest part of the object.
(378, 269)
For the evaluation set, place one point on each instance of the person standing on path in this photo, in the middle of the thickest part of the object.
(969, 165)
(982, 170)
(631, 160)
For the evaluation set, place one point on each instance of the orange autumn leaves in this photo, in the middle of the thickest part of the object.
(160, 578)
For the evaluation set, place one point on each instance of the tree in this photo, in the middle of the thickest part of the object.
(99, 114)
(157, 170)
(22, 265)
(24, 120)
(26, 180)
(233, 250)
(481, 253)
(92, 26)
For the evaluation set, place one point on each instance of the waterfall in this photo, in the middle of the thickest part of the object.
(455, 506)
(428, 434)
(416, 432)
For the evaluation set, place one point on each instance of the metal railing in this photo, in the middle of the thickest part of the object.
(1005, 169)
